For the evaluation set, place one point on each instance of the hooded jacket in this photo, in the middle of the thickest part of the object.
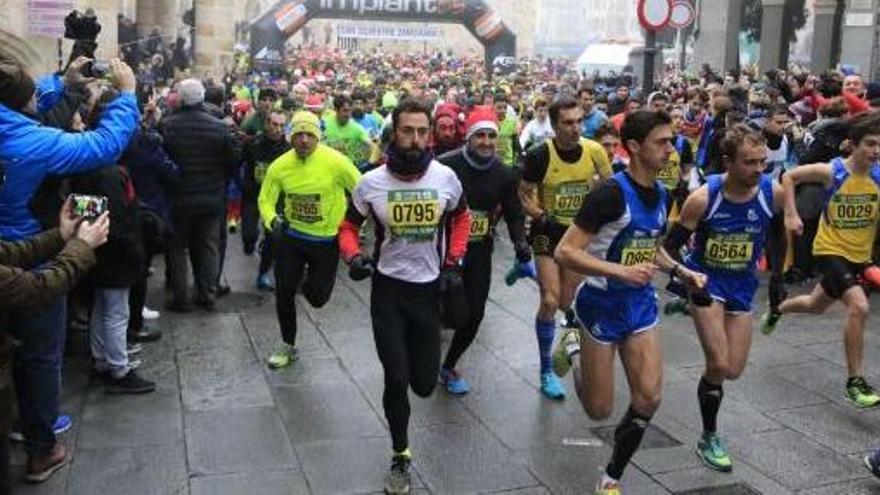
(29, 152)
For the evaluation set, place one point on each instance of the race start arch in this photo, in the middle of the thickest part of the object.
(270, 32)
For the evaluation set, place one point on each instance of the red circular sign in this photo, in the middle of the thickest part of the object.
(654, 14)
(682, 14)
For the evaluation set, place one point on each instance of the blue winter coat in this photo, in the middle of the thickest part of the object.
(29, 152)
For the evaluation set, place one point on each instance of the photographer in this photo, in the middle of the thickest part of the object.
(29, 152)
(21, 289)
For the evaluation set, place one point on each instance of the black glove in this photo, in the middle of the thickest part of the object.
(523, 252)
(450, 279)
(360, 267)
(279, 226)
(453, 299)
(776, 292)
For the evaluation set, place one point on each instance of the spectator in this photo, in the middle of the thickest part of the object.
(207, 152)
(72, 244)
(29, 153)
(593, 117)
(155, 177)
(119, 264)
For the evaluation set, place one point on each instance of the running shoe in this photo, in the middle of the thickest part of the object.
(133, 348)
(150, 314)
(62, 424)
(607, 487)
(565, 347)
(871, 462)
(520, 270)
(860, 393)
(397, 481)
(713, 452)
(282, 358)
(769, 322)
(266, 282)
(453, 381)
(552, 387)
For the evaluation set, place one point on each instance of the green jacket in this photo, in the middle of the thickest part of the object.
(21, 289)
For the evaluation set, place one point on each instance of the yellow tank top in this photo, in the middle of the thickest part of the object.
(566, 184)
(849, 222)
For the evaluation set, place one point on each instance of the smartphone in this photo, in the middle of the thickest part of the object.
(87, 206)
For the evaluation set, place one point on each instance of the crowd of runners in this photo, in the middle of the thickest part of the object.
(404, 167)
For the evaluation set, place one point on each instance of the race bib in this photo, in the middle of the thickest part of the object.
(260, 172)
(669, 176)
(479, 225)
(729, 251)
(569, 198)
(413, 215)
(852, 211)
(305, 208)
(638, 250)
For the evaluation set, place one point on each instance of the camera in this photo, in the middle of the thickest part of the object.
(87, 206)
(97, 69)
(81, 26)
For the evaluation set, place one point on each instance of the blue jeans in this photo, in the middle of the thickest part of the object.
(37, 372)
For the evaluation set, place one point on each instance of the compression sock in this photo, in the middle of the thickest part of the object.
(627, 438)
(709, 396)
(545, 330)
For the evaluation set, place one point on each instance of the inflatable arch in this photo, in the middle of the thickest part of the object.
(270, 32)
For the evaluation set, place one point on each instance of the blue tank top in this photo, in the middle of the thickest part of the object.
(730, 237)
(633, 238)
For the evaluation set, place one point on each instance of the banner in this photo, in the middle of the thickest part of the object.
(270, 32)
(392, 33)
(46, 17)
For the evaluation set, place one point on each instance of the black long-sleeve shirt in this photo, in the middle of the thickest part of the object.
(492, 191)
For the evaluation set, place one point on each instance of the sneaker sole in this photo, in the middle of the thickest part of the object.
(129, 391)
(398, 492)
(721, 469)
(859, 406)
(45, 475)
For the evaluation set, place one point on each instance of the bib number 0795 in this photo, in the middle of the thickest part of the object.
(413, 213)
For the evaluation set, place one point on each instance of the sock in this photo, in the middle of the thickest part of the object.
(406, 453)
(545, 329)
(608, 479)
(709, 397)
(627, 438)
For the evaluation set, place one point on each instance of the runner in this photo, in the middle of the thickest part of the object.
(345, 135)
(490, 190)
(613, 241)
(311, 180)
(843, 244)
(410, 200)
(557, 176)
(257, 157)
(731, 216)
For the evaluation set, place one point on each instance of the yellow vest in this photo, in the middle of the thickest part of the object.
(849, 222)
(566, 184)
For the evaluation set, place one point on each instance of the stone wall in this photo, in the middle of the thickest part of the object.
(39, 53)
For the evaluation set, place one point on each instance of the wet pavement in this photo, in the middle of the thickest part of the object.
(221, 422)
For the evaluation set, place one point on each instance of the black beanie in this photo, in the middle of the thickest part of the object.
(16, 86)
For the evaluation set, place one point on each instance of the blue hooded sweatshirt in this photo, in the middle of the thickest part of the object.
(29, 152)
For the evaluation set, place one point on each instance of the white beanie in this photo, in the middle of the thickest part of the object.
(192, 92)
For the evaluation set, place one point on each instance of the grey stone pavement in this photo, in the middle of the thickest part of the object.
(222, 423)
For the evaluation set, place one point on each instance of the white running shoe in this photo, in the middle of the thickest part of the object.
(150, 314)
